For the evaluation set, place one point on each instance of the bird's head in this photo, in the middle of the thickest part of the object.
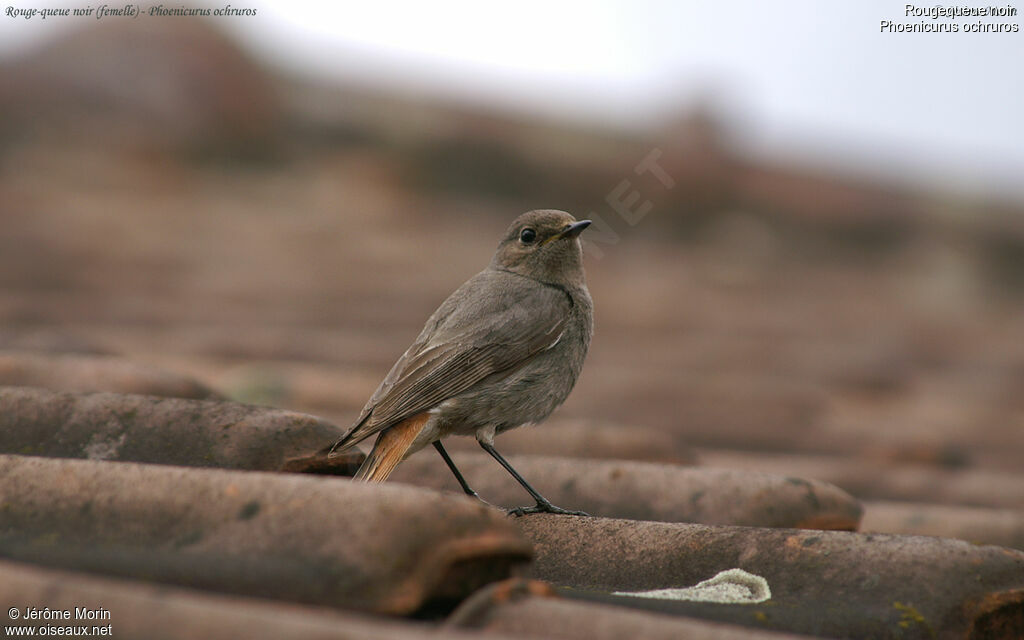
(544, 245)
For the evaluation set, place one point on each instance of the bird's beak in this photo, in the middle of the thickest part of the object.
(572, 230)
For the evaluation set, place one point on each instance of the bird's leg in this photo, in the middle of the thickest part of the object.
(455, 470)
(458, 474)
(543, 504)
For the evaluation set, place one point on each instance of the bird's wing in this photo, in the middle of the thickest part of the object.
(511, 319)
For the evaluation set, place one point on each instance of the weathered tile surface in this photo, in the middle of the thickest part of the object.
(78, 372)
(317, 540)
(646, 491)
(889, 480)
(138, 428)
(524, 608)
(831, 583)
(979, 525)
(144, 611)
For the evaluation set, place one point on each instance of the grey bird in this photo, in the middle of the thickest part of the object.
(504, 350)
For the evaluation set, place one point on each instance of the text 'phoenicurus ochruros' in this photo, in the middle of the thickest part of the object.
(502, 351)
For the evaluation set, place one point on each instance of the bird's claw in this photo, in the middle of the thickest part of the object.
(544, 507)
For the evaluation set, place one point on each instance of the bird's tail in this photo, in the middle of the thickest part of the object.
(390, 448)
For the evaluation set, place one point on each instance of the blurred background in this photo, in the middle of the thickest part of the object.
(808, 239)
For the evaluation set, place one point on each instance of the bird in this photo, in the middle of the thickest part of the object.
(503, 350)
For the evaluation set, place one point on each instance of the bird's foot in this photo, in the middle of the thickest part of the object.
(544, 507)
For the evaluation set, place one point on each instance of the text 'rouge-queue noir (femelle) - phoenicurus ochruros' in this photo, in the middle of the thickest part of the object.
(502, 351)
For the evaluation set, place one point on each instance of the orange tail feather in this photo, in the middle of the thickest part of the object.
(390, 448)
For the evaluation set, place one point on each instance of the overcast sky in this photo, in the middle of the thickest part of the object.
(810, 78)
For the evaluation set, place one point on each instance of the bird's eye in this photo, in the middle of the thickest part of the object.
(528, 235)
